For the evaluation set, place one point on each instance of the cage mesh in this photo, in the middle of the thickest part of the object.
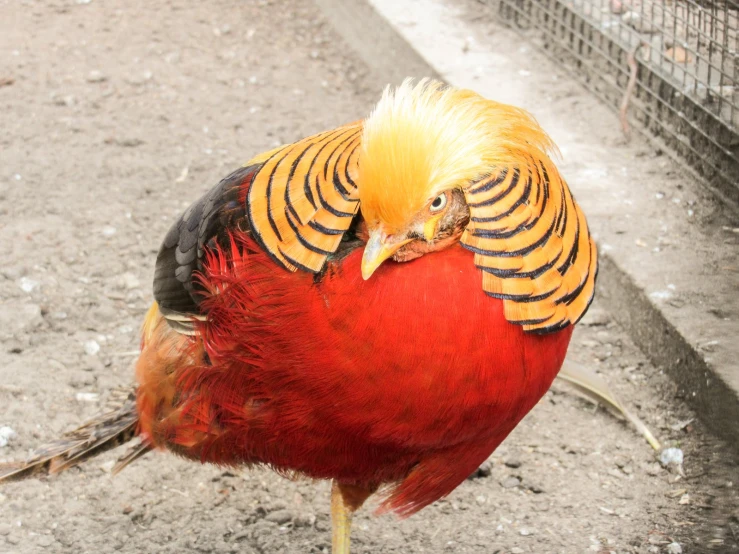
(670, 67)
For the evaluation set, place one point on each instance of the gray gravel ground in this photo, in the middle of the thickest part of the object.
(119, 114)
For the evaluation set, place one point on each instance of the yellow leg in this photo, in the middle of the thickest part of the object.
(341, 521)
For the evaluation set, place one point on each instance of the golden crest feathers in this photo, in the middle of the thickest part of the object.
(442, 138)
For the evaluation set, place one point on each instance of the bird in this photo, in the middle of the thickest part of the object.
(378, 305)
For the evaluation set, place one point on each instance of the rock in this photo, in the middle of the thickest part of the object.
(671, 456)
(674, 548)
(483, 471)
(510, 482)
(512, 462)
(87, 397)
(6, 435)
(27, 284)
(91, 347)
(280, 517)
(534, 487)
(67, 100)
(107, 467)
(139, 79)
(96, 76)
(131, 142)
(304, 520)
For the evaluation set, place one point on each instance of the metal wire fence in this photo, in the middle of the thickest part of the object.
(670, 66)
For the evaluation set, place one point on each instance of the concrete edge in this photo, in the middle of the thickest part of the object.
(714, 401)
(388, 55)
(391, 58)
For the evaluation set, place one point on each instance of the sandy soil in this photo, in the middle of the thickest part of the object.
(118, 116)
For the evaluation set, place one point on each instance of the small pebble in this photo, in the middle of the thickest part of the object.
(279, 517)
(27, 284)
(674, 548)
(96, 76)
(87, 397)
(108, 466)
(510, 482)
(6, 435)
(304, 520)
(671, 456)
(91, 347)
(483, 471)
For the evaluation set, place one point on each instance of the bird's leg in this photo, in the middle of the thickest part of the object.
(345, 500)
(341, 521)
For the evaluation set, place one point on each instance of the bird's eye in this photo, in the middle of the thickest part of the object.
(438, 204)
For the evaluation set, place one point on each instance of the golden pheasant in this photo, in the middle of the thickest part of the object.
(379, 305)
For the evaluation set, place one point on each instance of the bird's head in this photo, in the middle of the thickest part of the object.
(423, 146)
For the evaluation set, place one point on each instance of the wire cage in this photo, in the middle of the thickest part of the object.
(670, 66)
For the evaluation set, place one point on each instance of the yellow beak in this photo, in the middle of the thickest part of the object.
(377, 251)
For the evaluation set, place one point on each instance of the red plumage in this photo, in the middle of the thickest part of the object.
(424, 374)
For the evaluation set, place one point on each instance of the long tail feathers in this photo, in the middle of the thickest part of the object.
(116, 426)
(591, 385)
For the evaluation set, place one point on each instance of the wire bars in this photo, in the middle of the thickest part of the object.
(672, 65)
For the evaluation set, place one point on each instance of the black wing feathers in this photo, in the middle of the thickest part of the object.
(182, 252)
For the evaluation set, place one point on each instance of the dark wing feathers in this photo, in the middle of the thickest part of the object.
(183, 249)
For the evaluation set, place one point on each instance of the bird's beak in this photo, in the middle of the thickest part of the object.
(377, 250)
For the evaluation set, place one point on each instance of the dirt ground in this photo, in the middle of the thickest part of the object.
(115, 116)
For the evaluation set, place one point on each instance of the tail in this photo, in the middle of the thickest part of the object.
(116, 426)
